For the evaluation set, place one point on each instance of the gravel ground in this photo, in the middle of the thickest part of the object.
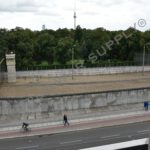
(80, 84)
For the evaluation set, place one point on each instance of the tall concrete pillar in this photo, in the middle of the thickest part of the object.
(11, 67)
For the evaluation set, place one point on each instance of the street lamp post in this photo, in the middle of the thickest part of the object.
(144, 57)
(72, 61)
(143, 60)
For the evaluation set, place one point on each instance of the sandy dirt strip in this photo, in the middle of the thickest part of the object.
(80, 84)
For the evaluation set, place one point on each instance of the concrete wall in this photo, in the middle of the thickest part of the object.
(77, 106)
(85, 71)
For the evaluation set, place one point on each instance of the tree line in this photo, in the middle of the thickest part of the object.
(57, 47)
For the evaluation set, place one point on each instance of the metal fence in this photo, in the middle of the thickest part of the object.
(55, 67)
(139, 58)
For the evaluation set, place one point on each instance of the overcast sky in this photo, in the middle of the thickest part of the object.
(110, 14)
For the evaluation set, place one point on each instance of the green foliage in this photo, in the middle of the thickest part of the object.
(44, 63)
(75, 61)
(54, 49)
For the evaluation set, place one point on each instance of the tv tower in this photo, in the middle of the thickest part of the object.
(75, 16)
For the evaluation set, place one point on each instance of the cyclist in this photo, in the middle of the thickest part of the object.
(25, 126)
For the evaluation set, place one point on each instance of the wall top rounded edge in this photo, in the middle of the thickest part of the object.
(10, 56)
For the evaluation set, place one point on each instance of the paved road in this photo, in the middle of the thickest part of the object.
(79, 139)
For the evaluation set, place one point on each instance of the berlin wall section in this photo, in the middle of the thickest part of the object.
(77, 106)
(85, 71)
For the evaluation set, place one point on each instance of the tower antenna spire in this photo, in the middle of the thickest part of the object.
(75, 15)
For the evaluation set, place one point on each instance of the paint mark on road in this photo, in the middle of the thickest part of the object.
(69, 142)
(29, 147)
(110, 136)
(143, 131)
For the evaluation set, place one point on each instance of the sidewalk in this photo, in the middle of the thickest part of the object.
(75, 125)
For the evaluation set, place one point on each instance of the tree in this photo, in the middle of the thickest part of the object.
(51, 47)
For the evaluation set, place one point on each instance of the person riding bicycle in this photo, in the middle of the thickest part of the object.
(25, 126)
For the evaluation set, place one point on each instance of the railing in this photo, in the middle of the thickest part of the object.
(55, 67)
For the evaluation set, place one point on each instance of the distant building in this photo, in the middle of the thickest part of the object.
(43, 27)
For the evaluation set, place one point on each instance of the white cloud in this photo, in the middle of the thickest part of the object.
(110, 14)
(17, 6)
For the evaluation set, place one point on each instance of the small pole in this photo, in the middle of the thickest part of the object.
(143, 61)
(72, 61)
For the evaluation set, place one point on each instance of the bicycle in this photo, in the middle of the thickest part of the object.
(25, 127)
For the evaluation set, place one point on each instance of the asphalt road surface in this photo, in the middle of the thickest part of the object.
(79, 139)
